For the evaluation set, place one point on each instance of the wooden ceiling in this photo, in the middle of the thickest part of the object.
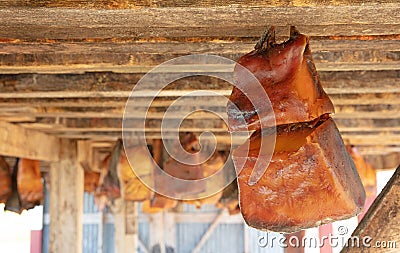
(68, 67)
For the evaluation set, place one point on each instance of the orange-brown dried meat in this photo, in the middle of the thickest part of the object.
(132, 187)
(29, 182)
(162, 202)
(287, 73)
(5, 181)
(365, 170)
(91, 181)
(311, 180)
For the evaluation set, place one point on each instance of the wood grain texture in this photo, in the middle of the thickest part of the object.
(382, 221)
(134, 4)
(61, 23)
(66, 201)
(126, 226)
(35, 54)
(76, 102)
(25, 143)
(332, 81)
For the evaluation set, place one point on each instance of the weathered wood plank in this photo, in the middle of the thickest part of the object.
(20, 142)
(386, 161)
(105, 99)
(381, 222)
(333, 82)
(134, 4)
(126, 226)
(200, 69)
(367, 138)
(66, 201)
(351, 121)
(61, 23)
(388, 111)
(335, 52)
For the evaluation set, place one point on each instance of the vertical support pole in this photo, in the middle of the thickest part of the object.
(157, 220)
(126, 227)
(157, 238)
(66, 201)
(170, 230)
(100, 233)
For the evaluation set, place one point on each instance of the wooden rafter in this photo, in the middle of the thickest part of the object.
(20, 142)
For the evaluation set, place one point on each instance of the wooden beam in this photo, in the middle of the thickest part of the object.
(385, 161)
(157, 232)
(85, 155)
(353, 138)
(205, 69)
(170, 231)
(140, 57)
(20, 142)
(126, 230)
(62, 23)
(134, 4)
(76, 100)
(60, 115)
(197, 123)
(123, 83)
(66, 201)
(381, 222)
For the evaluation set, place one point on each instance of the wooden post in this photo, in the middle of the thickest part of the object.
(157, 228)
(66, 201)
(126, 228)
(170, 230)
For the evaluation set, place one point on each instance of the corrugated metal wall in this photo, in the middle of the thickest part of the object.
(108, 238)
(225, 238)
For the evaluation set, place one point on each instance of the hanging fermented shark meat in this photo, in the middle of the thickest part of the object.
(132, 188)
(147, 208)
(186, 171)
(287, 73)
(13, 203)
(91, 181)
(311, 179)
(5, 181)
(210, 168)
(100, 195)
(230, 198)
(365, 170)
(162, 202)
(109, 187)
(179, 170)
(29, 182)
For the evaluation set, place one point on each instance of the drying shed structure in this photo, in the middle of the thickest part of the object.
(67, 69)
